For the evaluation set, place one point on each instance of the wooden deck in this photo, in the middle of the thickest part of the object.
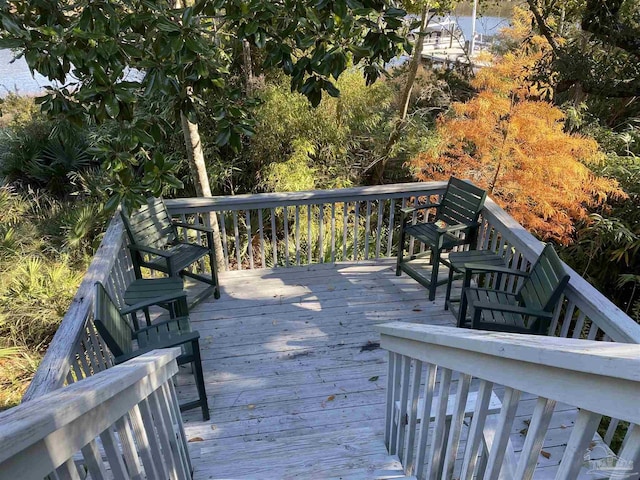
(296, 381)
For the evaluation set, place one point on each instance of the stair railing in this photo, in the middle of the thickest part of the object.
(431, 367)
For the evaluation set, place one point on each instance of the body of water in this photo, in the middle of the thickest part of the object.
(15, 76)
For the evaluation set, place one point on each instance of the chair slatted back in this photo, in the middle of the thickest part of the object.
(461, 203)
(113, 328)
(150, 225)
(544, 285)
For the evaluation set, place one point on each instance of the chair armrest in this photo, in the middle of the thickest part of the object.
(168, 343)
(199, 228)
(500, 307)
(408, 210)
(481, 268)
(151, 250)
(152, 301)
(458, 226)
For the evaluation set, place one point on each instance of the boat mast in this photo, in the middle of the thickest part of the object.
(472, 41)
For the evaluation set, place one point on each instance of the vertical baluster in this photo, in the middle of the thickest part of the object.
(128, 448)
(172, 399)
(390, 406)
(503, 429)
(429, 389)
(309, 236)
(345, 216)
(577, 331)
(236, 234)
(412, 420)
(379, 228)
(93, 460)
(167, 438)
(285, 217)
(474, 439)
(630, 454)
(566, 321)
(536, 433)
(110, 445)
(581, 436)
(414, 219)
(274, 238)
(297, 234)
(440, 428)
(397, 369)
(356, 225)
(247, 218)
(455, 428)
(223, 233)
(402, 410)
(321, 233)
(99, 352)
(367, 228)
(593, 330)
(68, 471)
(260, 213)
(91, 357)
(333, 232)
(142, 440)
(611, 430)
(196, 222)
(392, 212)
(150, 440)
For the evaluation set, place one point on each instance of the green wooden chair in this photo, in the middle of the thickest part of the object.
(456, 214)
(119, 335)
(529, 309)
(155, 244)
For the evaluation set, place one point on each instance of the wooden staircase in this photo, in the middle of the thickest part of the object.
(355, 453)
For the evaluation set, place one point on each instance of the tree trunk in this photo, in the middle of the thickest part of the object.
(195, 155)
(416, 58)
(248, 68)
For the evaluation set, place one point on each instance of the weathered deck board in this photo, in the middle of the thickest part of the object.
(295, 381)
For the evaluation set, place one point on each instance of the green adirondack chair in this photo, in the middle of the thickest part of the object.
(118, 334)
(155, 244)
(529, 309)
(458, 212)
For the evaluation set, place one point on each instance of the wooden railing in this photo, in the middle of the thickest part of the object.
(301, 228)
(425, 418)
(125, 420)
(77, 351)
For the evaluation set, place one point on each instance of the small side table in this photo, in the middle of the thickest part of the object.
(147, 288)
(457, 261)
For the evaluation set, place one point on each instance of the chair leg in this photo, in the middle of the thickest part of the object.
(147, 317)
(202, 393)
(447, 296)
(435, 257)
(212, 265)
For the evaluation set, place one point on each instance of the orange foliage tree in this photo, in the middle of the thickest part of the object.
(508, 141)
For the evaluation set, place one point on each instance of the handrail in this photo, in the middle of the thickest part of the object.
(279, 199)
(597, 372)
(135, 399)
(618, 325)
(64, 349)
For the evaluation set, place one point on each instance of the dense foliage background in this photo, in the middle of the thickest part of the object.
(551, 128)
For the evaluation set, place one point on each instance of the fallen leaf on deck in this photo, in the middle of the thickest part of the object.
(331, 398)
(213, 427)
(545, 454)
(563, 426)
(251, 406)
(275, 322)
(331, 289)
(374, 378)
(195, 439)
(417, 309)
